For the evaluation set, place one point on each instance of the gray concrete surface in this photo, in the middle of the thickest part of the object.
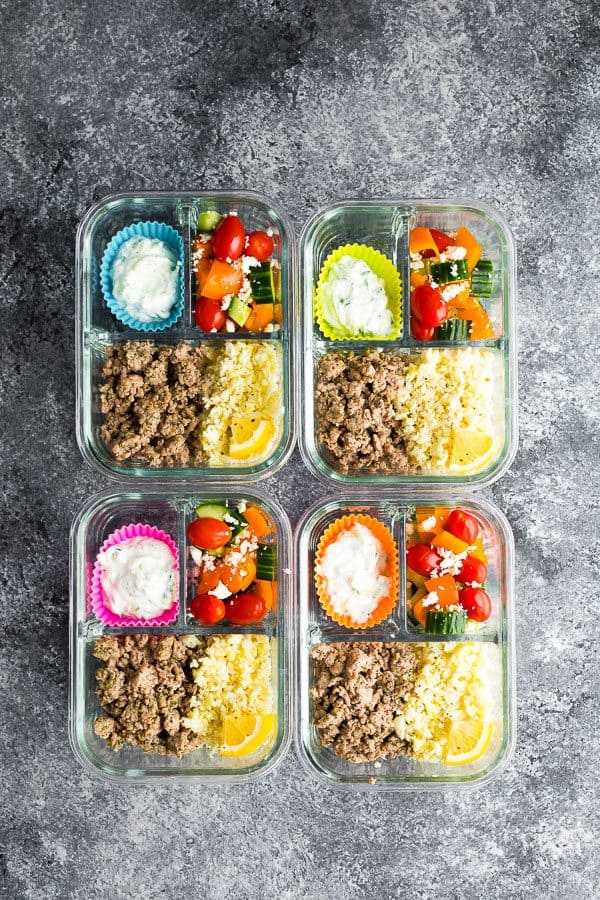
(307, 102)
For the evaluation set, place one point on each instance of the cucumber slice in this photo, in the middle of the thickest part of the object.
(447, 272)
(452, 330)
(219, 511)
(446, 621)
(238, 311)
(266, 562)
(208, 220)
(262, 283)
(482, 278)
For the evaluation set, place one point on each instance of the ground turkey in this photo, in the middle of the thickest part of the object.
(356, 399)
(151, 398)
(358, 688)
(144, 686)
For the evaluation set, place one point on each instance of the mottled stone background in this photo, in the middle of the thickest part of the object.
(307, 102)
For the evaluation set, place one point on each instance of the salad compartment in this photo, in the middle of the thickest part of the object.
(385, 226)
(171, 512)
(99, 332)
(317, 631)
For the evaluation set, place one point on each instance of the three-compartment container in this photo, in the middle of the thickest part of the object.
(98, 331)
(385, 226)
(316, 629)
(388, 495)
(171, 510)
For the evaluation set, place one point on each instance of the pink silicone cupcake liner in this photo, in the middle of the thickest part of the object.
(101, 610)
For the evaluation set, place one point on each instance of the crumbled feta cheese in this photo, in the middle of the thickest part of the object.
(430, 599)
(454, 270)
(416, 256)
(453, 290)
(433, 283)
(429, 523)
(451, 253)
(416, 264)
(226, 301)
(270, 232)
(197, 555)
(229, 519)
(221, 592)
(249, 262)
(229, 326)
(242, 506)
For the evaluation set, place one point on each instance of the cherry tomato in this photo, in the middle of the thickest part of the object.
(207, 609)
(419, 331)
(208, 314)
(229, 238)
(422, 559)
(442, 240)
(472, 569)
(428, 305)
(476, 603)
(260, 245)
(246, 608)
(208, 534)
(462, 526)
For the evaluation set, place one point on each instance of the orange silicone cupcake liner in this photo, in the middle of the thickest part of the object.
(385, 538)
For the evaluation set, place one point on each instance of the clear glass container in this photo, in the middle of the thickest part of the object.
(313, 626)
(170, 511)
(385, 226)
(97, 329)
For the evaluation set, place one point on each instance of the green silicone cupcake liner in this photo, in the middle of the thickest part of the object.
(381, 266)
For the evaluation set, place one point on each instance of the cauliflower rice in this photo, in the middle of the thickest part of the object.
(444, 388)
(234, 677)
(453, 681)
(247, 383)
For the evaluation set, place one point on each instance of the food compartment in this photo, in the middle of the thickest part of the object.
(406, 414)
(237, 667)
(160, 424)
(480, 448)
(249, 290)
(243, 572)
(439, 710)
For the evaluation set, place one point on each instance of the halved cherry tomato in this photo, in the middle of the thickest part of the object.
(462, 526)
(207, 609)
(422, 559)
(442, 240)
(246, 608)
(216, 279)
(208, 534)
(229, 238)
(472, 569)
(260, 245)
(476, 603)
(420, 331)
(428, 306)
(208, 314)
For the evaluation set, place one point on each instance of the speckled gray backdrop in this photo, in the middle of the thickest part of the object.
(307, 102)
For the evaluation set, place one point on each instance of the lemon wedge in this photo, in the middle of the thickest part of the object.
(468, 739)
(250, 437)
(244, 734)
(471, 450)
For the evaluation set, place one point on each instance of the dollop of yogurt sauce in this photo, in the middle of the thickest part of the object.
(138, 578)
(144, 274)
(353, 567)
(354, 301)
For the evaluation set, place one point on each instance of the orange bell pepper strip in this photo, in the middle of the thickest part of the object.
(446, 588)
(449, 542)
(220, 280)
(257, 522)
(268, 591)
(421, 239)
(417, 279)
(235, 578)
(261, 315)
(465, 239)
(481, 324)
(478, 552)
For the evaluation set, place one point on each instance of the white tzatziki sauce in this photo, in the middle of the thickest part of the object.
(354, 301)
(138, 577)
(352, 568)
(144, 274)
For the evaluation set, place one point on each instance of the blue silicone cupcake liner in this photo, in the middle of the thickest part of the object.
(174, 241)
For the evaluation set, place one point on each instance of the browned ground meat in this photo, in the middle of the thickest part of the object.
(144, 686)
(151, 399)
(357, 423)
(358, 688)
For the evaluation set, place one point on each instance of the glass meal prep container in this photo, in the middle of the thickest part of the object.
(315, 627)
(385, 226)
(170, 511)
(98, 330)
